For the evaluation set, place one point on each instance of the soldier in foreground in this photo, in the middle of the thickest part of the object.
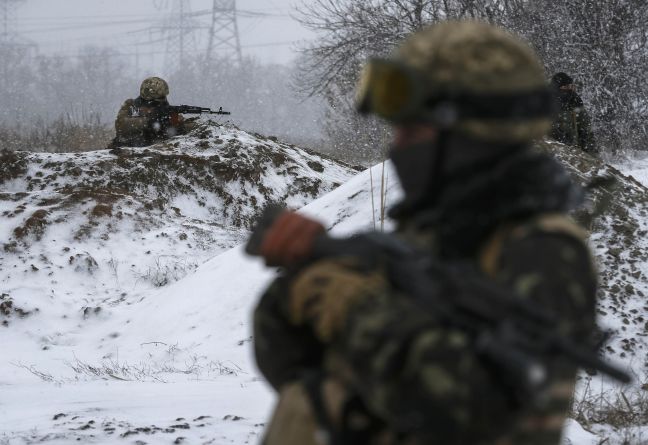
(357, 356)
(572, 124)
(149, 118)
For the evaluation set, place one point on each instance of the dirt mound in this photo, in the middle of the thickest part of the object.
(96, 226)
(616, 214)
(227, 172)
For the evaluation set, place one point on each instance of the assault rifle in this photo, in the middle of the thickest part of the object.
(190, 109)
(161, 118)
(518, 337)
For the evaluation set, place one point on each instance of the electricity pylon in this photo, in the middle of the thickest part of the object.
(12, 45)
(224, 33)
(180, 29)
(8, 16)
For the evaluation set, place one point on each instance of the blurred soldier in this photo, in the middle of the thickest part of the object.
(572, 124)
(358, 362)
(146, 119)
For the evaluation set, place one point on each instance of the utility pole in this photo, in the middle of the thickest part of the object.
(224, 33)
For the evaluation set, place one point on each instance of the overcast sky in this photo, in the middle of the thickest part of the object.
(63, 26)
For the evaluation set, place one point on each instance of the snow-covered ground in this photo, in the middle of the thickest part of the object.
(181, 352)
(106, 359)
(173, 364)
(635, 165)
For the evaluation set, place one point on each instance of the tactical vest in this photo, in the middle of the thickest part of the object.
(311, 410)
(566, 129)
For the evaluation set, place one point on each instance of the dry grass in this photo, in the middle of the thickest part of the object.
(624, 409)
(66, 134)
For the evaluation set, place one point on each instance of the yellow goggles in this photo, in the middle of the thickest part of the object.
(391, 90)
(399, 94)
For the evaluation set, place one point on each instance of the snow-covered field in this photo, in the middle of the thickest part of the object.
(181, 352)
(109, 358)
(168, 364)
(636, 165)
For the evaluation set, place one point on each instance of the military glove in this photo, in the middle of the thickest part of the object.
(290, 240)
(322, 295)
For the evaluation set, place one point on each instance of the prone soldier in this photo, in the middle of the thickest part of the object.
(149, 118)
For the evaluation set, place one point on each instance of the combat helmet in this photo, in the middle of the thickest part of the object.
(154, 88)
(467, 77)
(561, 79)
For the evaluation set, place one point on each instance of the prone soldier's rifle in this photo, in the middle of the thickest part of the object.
(518, 337)
(165, 117)
(190, 109)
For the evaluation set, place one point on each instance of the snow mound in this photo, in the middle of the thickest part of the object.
(133, 371)
(619, 227)
(616, 215)
(138, 366)
(94, 228)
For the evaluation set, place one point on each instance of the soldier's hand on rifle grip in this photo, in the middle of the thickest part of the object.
(289, 241)
(175, 119)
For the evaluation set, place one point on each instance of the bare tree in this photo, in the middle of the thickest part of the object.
(603, 43)
(47, 95)
(350, 32)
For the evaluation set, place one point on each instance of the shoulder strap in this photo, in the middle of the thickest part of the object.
(489, 255)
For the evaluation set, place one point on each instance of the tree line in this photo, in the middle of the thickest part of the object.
(603, 44)
(60, 103)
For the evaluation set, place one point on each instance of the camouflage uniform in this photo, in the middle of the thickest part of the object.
(351, 354)
(142, 122)
(572, 125)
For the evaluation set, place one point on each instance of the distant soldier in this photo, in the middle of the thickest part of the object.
(572, 125)
(147, 119)
(359, 353)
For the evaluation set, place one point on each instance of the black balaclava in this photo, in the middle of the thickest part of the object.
(425, 169)
(464, 188)
(419, 168)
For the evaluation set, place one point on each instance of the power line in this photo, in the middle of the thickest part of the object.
(70, 27)
(80, 17)
(161, 52)
(242, 12)
(88, 21)
(184, 30)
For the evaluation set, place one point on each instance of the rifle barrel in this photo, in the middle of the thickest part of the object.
(190, 109)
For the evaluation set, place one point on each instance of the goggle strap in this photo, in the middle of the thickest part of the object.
(534, 105)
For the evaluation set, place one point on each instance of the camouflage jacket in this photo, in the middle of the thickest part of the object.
(572, 124)
(133, 125)
(421, 383)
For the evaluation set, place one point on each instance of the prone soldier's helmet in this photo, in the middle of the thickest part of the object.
(467, 77)
(154, 88)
